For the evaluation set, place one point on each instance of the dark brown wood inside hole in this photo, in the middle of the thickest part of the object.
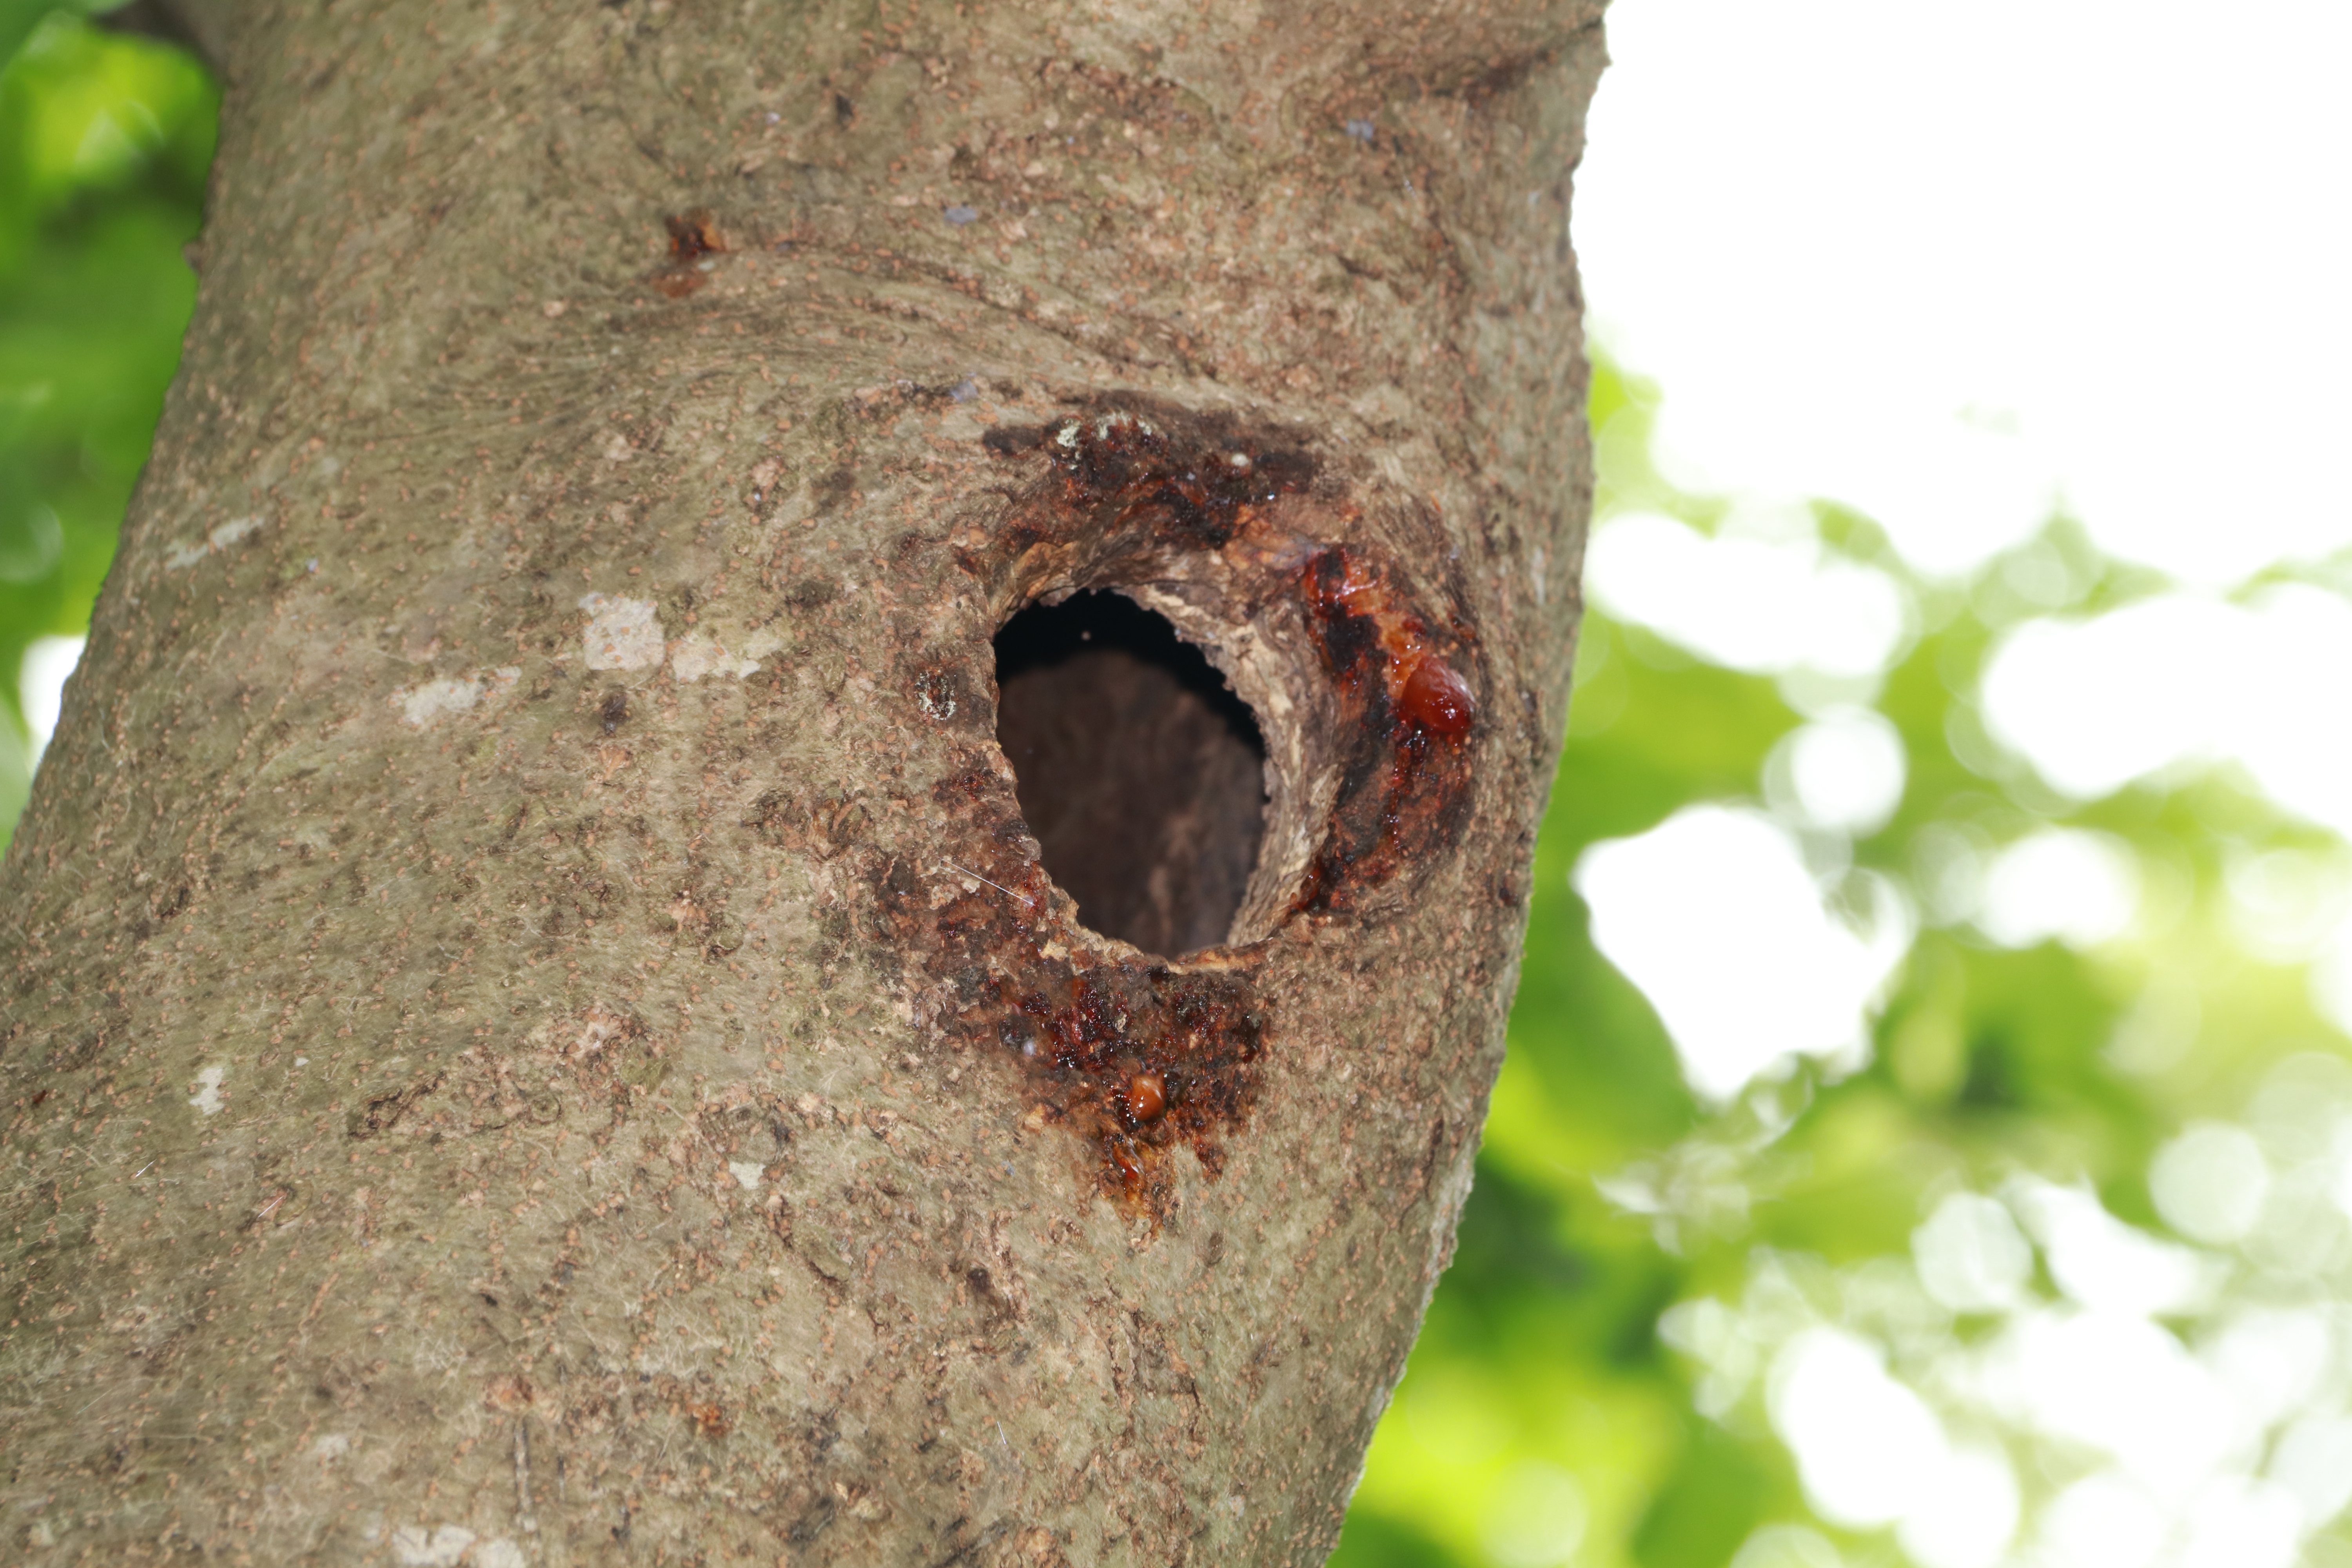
(1140, 773)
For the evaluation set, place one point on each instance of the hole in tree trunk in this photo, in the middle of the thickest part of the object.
(1140, 773)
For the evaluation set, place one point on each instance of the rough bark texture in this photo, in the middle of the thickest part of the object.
(534, 1029)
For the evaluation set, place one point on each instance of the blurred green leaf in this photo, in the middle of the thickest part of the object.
(1610, 1200)
(104, 145)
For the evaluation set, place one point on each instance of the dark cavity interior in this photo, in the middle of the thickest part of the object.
(1141, 773)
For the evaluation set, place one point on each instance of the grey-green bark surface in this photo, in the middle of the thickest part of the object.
(516, 959)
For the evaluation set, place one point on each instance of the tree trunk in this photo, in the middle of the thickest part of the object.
(537, 1030)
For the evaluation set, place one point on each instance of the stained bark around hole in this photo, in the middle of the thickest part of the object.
(1140, 773)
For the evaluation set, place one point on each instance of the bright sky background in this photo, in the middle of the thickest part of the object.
(1947, 262)
(1960, 265)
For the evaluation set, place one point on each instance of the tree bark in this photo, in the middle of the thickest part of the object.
(536, 1028)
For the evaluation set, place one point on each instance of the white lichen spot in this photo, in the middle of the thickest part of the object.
(330, 1447)
(442, 1549)
(623, 634)
(1535, 573)
(500, 1553)
(747, 1173)
(422, 705)
(181, 556)
(697, 653)
(39, 1533)
(597, 1030)
(231, 531)
(617, 449)
(208, 1098)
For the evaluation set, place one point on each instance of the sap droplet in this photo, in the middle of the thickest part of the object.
(1436, 699)
(1146, 1097)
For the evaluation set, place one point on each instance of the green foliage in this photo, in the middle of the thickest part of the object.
(1607, 1195)
(104, 144)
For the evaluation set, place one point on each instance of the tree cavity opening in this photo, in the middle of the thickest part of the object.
(1140, 773)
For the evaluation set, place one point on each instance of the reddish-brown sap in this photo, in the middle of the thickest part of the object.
(1436, 699)
(1146, 1097)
